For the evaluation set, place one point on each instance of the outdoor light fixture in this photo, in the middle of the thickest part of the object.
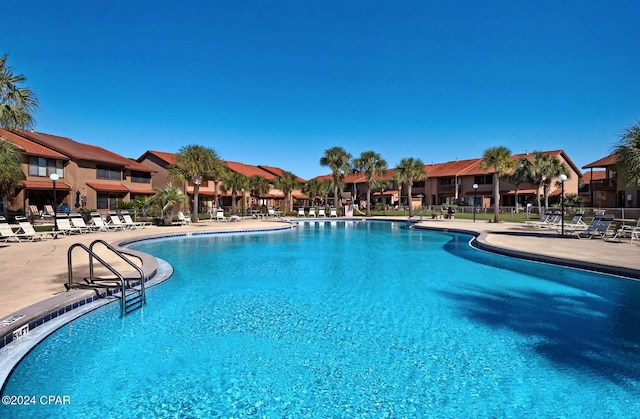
(475, 196)
(54, 178)
(563, 177)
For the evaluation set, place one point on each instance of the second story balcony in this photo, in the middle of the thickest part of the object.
(604, 185)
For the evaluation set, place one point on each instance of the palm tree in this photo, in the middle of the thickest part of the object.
(219, 173)
(287, 183)
(16, 103)
(235, 182)
(325, 188)
(537, 172)
(399, 179)
(553, 170)
(258, 185)
(371, 163)
(11, 173)
(628, 156)
(521, 174)
(499, 160)
(339, 161)
(167, 198)
(197, 164)
(411, 169)
(312, 188)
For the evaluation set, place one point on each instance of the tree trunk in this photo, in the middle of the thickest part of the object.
(194, 214)
(496, 198)
(368, 200)
(409, 187)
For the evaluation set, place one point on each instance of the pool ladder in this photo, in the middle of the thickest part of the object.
(129, 289)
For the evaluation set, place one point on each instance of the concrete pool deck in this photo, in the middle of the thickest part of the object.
(32, 272)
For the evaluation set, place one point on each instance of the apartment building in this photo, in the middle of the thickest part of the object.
(88, 176)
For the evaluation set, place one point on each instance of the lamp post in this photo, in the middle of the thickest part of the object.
(475, 196)
(54, 178)
(563, 177)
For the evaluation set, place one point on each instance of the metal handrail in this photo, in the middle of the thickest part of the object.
(92, 255)
(114, 250)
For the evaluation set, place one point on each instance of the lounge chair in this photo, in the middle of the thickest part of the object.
(544, 218)
(598, 228)
(220, 216)
(626, 232)
(550, 220)
(65, 227)
(115, 220)
(35, 213)
(182, 219)
(333, 212)
(102, 225)
(321, 213)
(77, 220)
(271, 213)
(575, 224)
(48, 211)
(312, 212)
(29, 233)
(6, 232)
(128, 221)
(301, 212)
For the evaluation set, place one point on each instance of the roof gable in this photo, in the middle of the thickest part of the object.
(610, 160)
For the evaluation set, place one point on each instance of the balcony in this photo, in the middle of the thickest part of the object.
(604, 185)
(447, 189)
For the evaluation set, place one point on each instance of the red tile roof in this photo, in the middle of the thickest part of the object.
(278, 172)
(610, 160)
(249, 170)
(29, 147)
(593, 175)
(80, 151)
(168, 158)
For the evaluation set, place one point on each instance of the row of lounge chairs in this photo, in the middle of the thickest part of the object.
(600, 227)
(25, 232)
(321, 212)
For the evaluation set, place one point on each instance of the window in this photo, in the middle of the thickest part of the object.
(483, 179)
(418, 184)
(140, 177)
(40, 166)
(107, 200)
(108, 173)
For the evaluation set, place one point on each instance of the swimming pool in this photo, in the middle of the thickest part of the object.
(338, 319)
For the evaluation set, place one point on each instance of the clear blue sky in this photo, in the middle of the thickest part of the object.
(279, 82)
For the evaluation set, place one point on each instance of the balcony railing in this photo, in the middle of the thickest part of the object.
(603, 184)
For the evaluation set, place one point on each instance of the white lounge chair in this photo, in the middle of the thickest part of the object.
(65, 227)
(6, 232)
(626, 232)
(128, 221)
(333, 212)
(102, 225)
(182, 219)
(78, 221)
(220, 216)
(114, 219)
(312, 212)
(321, 213)
(29, 233)
(301, 212)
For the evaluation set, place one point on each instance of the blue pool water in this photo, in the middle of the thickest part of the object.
(363, 319)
